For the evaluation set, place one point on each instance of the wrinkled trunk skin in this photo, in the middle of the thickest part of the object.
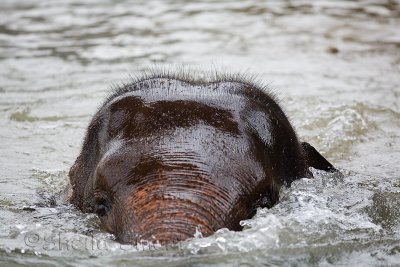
(169, 221)
(172, 209)
(167, 215)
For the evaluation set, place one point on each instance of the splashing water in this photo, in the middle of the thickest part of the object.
(333, 64)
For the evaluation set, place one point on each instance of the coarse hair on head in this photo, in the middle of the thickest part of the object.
(257, 89)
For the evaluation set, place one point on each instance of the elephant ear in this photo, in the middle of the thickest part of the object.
(315, 159)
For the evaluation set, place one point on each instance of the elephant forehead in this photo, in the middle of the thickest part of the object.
(199, 151)
(132, 117)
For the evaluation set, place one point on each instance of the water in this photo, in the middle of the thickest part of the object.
(335, 65)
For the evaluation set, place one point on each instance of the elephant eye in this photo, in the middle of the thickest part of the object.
(102, 206)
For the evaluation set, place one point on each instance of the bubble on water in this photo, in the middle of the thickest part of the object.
(198, 233)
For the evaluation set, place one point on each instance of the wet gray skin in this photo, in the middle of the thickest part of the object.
(333, 65)
(165, 157)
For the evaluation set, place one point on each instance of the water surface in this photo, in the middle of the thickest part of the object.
(335, 66)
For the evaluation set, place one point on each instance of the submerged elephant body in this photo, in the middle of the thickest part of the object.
(164, 158)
